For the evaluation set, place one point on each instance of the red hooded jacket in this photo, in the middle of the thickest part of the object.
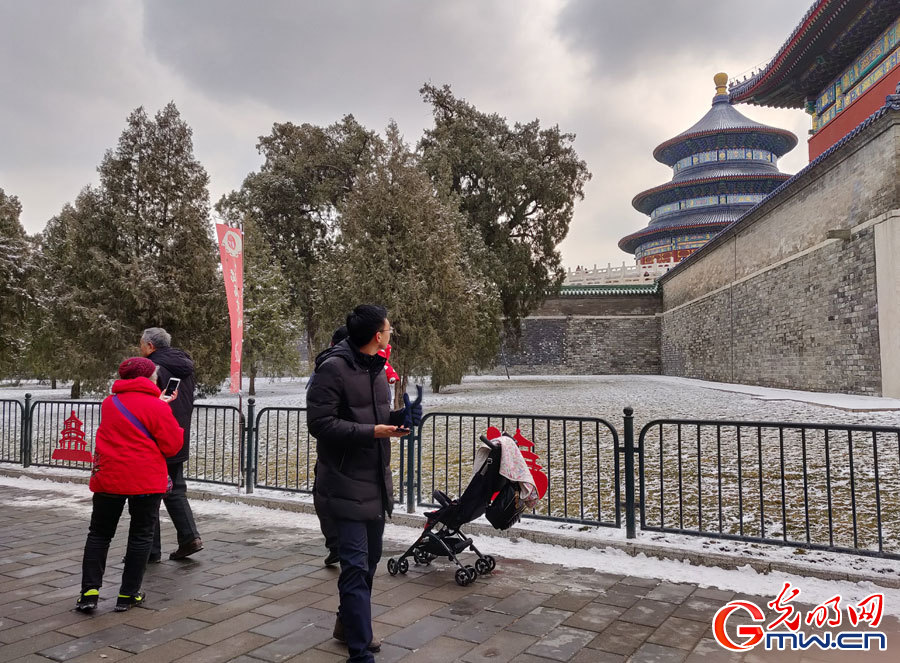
(127, 462)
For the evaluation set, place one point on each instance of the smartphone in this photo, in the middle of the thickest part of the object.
(172, 386)
(404, 431)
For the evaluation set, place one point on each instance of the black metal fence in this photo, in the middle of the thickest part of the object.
(811, 486)
(283, 453)
(577, 455)
(11, 433)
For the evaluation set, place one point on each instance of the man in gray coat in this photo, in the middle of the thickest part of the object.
(348, 411)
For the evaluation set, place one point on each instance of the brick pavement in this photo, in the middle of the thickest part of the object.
(261, 595)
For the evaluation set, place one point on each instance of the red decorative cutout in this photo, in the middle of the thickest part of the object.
(72, 444)
(525, 447)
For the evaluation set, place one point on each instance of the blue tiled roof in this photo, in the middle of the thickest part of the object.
(724, 118)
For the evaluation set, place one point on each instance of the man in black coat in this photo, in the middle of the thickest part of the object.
(329, 529)
(172, 362)
(348, 411)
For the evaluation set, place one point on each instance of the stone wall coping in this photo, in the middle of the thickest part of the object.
(658, 551)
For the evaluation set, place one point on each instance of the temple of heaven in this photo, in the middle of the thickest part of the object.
(723, 166)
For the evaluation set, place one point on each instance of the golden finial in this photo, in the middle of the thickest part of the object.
(721, 80)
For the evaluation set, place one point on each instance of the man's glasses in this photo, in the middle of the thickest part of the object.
(389, 330)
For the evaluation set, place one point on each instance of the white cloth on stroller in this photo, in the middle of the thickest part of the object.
(512, 466)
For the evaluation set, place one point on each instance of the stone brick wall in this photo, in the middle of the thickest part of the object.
(788, 296)
(810, 323)
(590, 335)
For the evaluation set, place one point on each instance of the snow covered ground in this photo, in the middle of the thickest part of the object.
(651, 396)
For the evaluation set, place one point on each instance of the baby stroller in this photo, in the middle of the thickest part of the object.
(443, 536)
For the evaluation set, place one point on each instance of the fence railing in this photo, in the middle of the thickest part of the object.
(11, 433)
(811, 485)
(284, 455)
(216, 444)
(577, 455)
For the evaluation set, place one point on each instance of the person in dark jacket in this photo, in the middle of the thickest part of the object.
(348, 411)
(172, 362)
(327, 525)
(137, 431)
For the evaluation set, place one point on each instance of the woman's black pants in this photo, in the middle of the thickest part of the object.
(144, 511)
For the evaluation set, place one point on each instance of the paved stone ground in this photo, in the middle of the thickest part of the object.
(257, 595)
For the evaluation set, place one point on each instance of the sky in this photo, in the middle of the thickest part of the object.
(622, 76)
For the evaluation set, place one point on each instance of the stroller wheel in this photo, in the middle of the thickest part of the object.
(482, 567)
(491, 562)
(471, 573)
(392, 566)
(403, 565)
(462, 577)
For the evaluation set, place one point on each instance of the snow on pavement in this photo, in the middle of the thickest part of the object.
(43, 493)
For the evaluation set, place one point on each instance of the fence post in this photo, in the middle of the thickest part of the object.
(629, 473)
(26, 433)
(250, 454)
(410, 465)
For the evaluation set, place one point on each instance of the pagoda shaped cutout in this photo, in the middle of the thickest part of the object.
(526, 448)
(72, 444)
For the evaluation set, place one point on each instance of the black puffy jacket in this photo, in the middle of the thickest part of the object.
(177, 363)
(347, 396)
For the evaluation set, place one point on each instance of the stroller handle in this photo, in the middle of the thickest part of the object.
(484, 438)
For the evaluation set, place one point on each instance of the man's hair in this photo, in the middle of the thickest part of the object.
(339, 334)
(363, 323)
(158, 336)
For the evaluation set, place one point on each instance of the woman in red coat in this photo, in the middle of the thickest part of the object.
(137, 432)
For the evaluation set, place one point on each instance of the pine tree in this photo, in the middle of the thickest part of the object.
(15, 293)
(294, 198)
(517, 188)
(405, 247)
(137, 251)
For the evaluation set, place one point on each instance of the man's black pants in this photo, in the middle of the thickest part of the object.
(144, 511)
(179, 510)
(359, 546)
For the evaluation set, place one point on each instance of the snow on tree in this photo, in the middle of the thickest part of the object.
(404, 246)
(134, 252)
(15, 296)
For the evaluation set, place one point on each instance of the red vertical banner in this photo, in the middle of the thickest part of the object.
(231, 250)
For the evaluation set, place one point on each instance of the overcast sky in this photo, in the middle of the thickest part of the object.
(622, 75)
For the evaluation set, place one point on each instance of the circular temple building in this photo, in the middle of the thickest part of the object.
(723, 165)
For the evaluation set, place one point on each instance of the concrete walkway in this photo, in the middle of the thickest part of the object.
(257, 595)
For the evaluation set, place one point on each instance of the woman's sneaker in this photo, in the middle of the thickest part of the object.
(125, 601)
(88, 600)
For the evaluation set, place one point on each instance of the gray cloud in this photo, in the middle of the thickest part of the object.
(327, 58)
(623, 76)
(624, 37)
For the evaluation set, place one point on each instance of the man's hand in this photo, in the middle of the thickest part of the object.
(383, 430)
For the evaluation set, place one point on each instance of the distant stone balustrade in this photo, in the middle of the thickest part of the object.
(610, 275)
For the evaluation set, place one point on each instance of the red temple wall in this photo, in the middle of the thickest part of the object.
(667, 256)
(853, 115)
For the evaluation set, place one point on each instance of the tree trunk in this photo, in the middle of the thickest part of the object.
(76, 390)
(53, 383)
(252, 391)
